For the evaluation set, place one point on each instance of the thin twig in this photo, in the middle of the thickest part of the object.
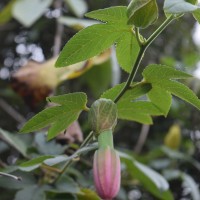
(142, 138)
(11, 111)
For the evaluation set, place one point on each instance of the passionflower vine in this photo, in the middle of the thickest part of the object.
(106, 164)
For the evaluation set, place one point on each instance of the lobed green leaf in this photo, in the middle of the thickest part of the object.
(161, 98)
(183, 92)
(114, 15)
(127, 50)
(159, 73)
(88, 43)
(60, 117)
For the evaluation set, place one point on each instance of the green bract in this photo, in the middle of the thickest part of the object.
(103, 115)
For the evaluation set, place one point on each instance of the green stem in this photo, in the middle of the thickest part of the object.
(140, 56)
(105, 139)
(68, 163)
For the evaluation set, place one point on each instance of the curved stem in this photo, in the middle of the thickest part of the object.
(140, 56)
(67, 164)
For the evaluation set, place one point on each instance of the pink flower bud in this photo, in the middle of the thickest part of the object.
(106, 171)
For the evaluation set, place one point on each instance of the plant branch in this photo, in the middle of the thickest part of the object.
(67, 164)
(128, 83)
(140, 56)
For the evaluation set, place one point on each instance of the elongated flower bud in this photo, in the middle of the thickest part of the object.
(106, 171)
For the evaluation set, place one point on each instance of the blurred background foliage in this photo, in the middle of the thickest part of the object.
(32, 34)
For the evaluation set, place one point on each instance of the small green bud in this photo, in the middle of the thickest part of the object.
(103, 115)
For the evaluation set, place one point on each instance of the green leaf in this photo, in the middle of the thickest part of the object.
(161, 98)
(139, 111)
(114, 15)
(88, 43)
(160, 73)
(152, 181)
(62, 123)
(59, 116)
(127, 51)
(196, 15)
(34, 163)
(183, 92)
(136, 90)
(71, 100)
(34, 192)
(178, 6)
(135, 111)
(161, 76)
(142, 13)
(28, 12)
(133, 116)
(14, 141)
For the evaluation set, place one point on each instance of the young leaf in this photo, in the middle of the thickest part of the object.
(88, 43)
(127, 50)
(114, 15)
(161, 98)
(178, 6)
(59, 116)
(142, 13)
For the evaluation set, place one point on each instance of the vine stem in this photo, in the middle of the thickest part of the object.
(143, 48)
(140, 56)
(67, 164)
